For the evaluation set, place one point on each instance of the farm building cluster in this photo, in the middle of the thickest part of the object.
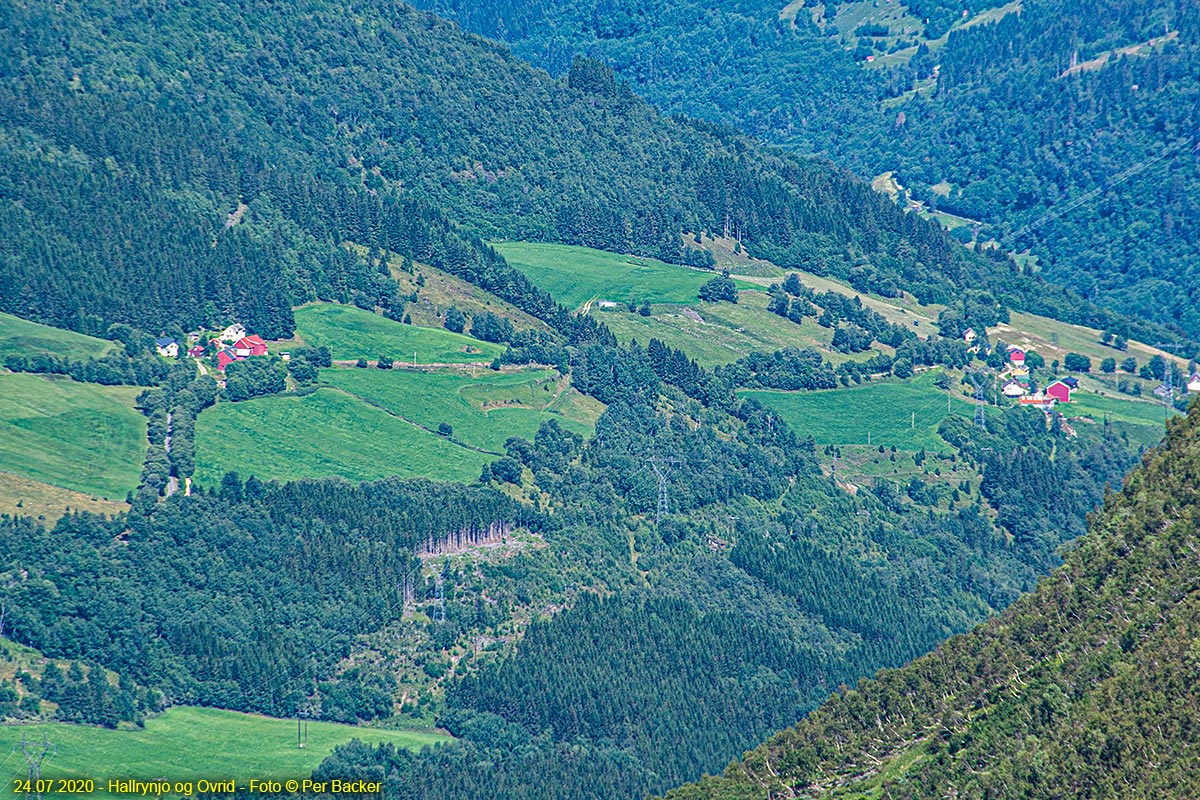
(1017, 383)
(232, 344)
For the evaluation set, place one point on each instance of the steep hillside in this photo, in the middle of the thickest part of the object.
(212, 166)
(1086, 687)
(1065, 127)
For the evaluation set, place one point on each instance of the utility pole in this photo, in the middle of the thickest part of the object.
(664, 506)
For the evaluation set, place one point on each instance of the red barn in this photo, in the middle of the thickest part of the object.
(1059, 391)
(1016, 355)
(250, 346)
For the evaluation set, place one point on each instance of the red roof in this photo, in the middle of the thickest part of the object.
(224, 358)
(1059, 391)
(254, 344)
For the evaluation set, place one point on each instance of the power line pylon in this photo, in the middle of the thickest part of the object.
(980, 417)
(664, 504)
(1168, 378)
(35, 754)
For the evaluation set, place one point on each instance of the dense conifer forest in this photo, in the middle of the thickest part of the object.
(1086, 687)
(1050, 127)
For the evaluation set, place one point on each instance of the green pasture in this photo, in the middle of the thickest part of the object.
(325, 433)
(574, 275)
(484, 410)
(352, 333)
(904, 414)
(29, 338)
(724, 333)
(1141, 420)
(187, 744)
(79, 436)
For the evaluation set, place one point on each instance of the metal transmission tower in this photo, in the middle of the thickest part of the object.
(980, 381)
(664, 505)
(409, 595)
(35, 753)
(441, 597)
(1168, 379)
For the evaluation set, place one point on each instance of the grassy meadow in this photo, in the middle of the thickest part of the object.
(905, 414)
(574, 275)
(187, 743)
(720, 333)
(26, 338)
(1141, 420)
(366, 424)
(78, 436)
(325, 433)
(484, 411)
(352, 333)
(26, 497)
(439, 290)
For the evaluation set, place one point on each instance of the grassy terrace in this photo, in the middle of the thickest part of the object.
(576, 275)
(365, 424)
(352, 333)
(78, 436)
(26, 338)
(904, 414)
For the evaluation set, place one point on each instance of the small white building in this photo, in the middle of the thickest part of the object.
(167, 347)
(234, 332)
(1194, 382)
(969, 335)
(1013, 388)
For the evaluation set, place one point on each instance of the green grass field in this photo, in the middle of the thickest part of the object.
(352, 333)
(188, 743)
(574, 275)
(484, 411)
(26, 338)
(322, 434)
(79, 436)
(1142, 421)
(1054, 339)
(724, 333)
(889, 413)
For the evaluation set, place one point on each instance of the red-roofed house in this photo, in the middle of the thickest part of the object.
(250, 346)
(1059, 391)
(1016, 355)
(197, 351)
(226, 357)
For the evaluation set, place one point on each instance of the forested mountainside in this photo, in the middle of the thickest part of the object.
(242, 146)
(1087, 687)
(766, 589)
(1086, 111)
(770, 582)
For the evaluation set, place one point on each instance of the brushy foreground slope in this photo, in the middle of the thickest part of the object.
(1089, 686)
